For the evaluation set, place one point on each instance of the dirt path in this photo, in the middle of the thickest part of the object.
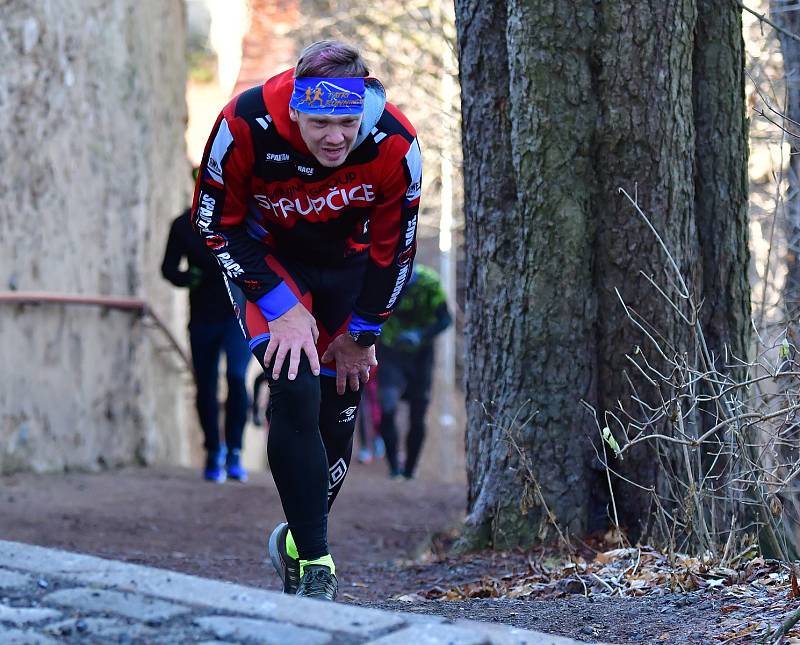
(380, 535)
(172, 519)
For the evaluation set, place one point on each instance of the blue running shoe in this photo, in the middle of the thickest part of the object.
(233, 464)
(214, 470)
(378, 448)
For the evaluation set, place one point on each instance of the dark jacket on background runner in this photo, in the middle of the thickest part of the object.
(213, 329)
(208, 296)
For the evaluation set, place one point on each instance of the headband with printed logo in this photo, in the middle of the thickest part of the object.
(328, 95)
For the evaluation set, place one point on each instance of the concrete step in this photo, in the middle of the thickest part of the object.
(49, 596)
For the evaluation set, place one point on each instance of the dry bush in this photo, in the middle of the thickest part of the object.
(724, 429)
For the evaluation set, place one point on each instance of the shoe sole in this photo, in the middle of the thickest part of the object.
(276, 556)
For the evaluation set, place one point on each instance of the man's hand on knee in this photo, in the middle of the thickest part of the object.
(352, 362)
(292, 333)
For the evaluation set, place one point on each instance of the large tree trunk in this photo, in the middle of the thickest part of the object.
(588, 98)
(645, 144)
(527, 132)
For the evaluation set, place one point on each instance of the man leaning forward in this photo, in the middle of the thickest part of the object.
(308, 196)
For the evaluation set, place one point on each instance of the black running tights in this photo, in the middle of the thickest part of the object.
(309, 446)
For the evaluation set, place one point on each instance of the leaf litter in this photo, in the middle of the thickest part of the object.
(754, 595)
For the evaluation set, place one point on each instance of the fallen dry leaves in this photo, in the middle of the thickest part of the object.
(755, 595)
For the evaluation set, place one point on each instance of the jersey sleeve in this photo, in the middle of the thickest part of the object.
(393, 229)
(219, 214)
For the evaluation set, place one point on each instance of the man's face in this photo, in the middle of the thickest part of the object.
(329, 138)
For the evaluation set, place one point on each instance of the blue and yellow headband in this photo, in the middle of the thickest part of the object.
(328, 95)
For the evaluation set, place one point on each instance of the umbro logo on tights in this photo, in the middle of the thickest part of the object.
(348, 414)
(336, 475)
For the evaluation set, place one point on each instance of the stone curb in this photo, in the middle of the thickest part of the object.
(182, 604)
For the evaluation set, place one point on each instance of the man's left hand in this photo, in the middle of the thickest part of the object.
(352, 362)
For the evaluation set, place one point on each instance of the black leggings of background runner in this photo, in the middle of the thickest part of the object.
(406, 376)
(309, 446)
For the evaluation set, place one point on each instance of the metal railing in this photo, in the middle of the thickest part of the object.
(124, 303)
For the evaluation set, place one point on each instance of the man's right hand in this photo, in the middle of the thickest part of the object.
(292, 333)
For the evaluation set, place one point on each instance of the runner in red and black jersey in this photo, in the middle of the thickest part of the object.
(308, 195)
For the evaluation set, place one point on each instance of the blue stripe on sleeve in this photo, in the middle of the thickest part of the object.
(357, 323)
(277, 302)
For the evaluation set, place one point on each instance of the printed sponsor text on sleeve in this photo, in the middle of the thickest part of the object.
(222, 143)
(414, 162)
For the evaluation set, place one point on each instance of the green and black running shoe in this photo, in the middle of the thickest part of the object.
(318, 582)
(288, 568)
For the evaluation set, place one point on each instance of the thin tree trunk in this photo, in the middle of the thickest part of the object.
(721, 151)
(790, 48)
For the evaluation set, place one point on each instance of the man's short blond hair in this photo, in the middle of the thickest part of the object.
(330, 59)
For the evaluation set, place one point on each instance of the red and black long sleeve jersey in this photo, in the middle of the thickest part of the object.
(261, 190)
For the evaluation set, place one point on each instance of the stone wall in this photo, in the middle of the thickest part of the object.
(92, 119)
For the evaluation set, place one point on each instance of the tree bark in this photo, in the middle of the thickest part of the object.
(563, 104)
(645, 144)
(721, 212)
(790, 48)
(789, 19)
(721, 152)
(528, 116)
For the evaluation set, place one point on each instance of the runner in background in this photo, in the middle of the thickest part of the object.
(213, 329)
(405, 356)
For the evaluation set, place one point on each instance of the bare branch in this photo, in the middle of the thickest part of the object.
(763, 18)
